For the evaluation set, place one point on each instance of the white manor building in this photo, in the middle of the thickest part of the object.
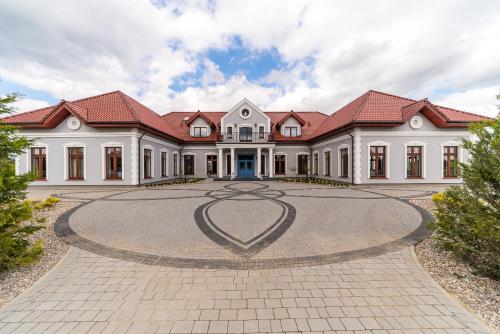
(111, 139)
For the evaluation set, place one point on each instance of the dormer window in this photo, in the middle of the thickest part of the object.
(200, 131)
(291, 131)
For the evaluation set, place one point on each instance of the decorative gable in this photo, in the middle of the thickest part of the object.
(247, 114)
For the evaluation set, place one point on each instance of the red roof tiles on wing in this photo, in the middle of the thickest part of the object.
(119, 109)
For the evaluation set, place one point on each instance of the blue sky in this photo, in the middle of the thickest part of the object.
(282, 55)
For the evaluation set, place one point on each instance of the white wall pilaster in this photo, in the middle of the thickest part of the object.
(134, 158)
(357, 156)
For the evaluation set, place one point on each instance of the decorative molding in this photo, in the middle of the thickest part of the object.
(103, 157)
(324, 162)
(164, 150)
(357, 156)
(331, 141)
(148, 147)
(339, 167)
(414, 134)
(134, 160)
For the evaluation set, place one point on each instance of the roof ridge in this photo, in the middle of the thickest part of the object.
(392, 95)
(132, 110)
(457, 110)
(355, 116)
(94, 96)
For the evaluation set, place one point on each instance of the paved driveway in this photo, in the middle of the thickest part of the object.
(240, 257)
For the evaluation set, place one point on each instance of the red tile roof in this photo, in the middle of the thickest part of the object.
(119, 109)
(385, 109)
(114, 108)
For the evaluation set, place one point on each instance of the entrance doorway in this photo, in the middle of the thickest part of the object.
(246, 165)
(211, 165)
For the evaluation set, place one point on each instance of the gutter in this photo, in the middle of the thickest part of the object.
(139, 159)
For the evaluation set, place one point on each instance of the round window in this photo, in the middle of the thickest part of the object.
(74, 123)
(245, 113)
(416, 122)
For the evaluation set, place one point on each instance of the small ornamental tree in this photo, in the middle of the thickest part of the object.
(468, 216)
(16, 215)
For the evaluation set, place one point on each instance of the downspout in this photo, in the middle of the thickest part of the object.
(352, 157)
(139, 159)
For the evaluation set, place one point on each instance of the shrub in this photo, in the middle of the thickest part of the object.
(16, 215)
(468, 216)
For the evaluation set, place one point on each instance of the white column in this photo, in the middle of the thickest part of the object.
(271, 162)
(134, 157)
(232, 163)
(258, 162)
(219, 163)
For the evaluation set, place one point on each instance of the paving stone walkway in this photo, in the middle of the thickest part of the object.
(91, 293)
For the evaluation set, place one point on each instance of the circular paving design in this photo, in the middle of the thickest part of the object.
(244, 225)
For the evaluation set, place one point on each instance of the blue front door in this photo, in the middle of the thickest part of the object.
(246, 165)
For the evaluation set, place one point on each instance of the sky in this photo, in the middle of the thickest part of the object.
(281, 55)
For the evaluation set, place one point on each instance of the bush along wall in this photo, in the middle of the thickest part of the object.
(468, 216)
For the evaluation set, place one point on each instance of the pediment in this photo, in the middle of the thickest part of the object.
(244, 111)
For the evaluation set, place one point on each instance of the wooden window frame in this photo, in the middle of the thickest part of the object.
(175, 163)
(184, 163)
(147, 158)
(299, 158)
(288, 131)
(200, 128)
(210, 157)
(281, 163)
(316, 163)
(410, 153)
(377, 156)
(344, 162)
(41, 158)
(446, 158)
(261, 132)
(76, 156)
(115, 157)
(164, 162)
(327, 163)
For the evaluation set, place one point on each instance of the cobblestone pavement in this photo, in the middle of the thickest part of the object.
(91, 293)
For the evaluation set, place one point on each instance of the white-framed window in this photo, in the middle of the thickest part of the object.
(75, 161)
(37, 161)
(343, 160)
(280, 163)
(211, 163)
(188, 163)
(176, 163)
(451, 155)
(229, 132)
(148, 166)
(164, 162)
(378, 156)
(112, 157)
(200, 131)
(327, 162)
(315, 163)
(415, 159)
(291, 131)
(302, 163)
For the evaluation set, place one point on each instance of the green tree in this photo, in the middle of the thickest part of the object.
(468, 216)
(16, 214)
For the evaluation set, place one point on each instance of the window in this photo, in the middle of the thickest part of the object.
(327, 163)
(39, 162)
(175, 163)
(316, 163)
(450, 161)
(377, 161)
(302, 164)
(113, 163)
(291, 131)
(189, 165)
(229, 132)
(75, 163)
(414, 161)
(211, 164)
(262, 164)
(245, 133)
(344, 162)
(279, 164)
(261, 132)
(200, 131)
(163, 164)
(147, 163)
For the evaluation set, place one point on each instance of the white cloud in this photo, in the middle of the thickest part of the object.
(29, 104)
(418, 49)
(480, 100)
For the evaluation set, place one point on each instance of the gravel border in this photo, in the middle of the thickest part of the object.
(479, 294)
(14, 282)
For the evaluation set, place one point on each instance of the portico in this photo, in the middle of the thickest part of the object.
(246, 160)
